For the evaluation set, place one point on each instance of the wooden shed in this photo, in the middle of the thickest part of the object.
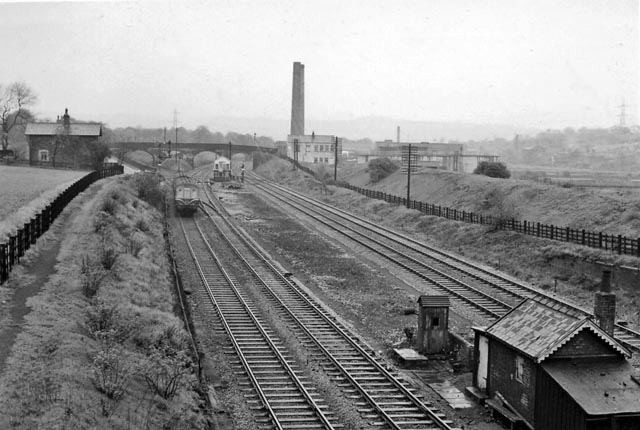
(556, 370)
(433, 324)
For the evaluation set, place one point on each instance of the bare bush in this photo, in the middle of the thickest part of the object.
(133, 246)
(112, 370)
(108, 258)
(107, 324)
(496, 205)
(109, 206)
(93, 275)
(380, 168)
(149, 189)
(117, 196)
(101, 222)
(142, 225)
(168, 371)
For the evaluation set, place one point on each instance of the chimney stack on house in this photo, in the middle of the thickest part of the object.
(605, 304)
(65, 119)
(398, 135)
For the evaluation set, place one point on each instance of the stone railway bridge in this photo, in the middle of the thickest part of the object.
(193, 149)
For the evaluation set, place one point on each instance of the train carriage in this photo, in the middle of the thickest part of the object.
(186, 195)
(222, 170)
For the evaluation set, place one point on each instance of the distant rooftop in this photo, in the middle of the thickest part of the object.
(52, 128)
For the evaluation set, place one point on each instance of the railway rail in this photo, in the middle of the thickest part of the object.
(288, 402)
(381, 398)
(490, 293)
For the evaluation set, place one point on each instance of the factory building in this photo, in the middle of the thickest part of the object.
(313, 148)
(307, 148)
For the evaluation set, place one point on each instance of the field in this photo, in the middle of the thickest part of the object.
(26, 190)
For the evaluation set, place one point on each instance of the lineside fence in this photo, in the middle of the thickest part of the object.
(610, 242)
(15, 248)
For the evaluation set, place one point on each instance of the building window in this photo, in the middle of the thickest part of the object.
(315, 148)
(326, 160)
(435, 322)
(519, 369)
(43, 155)
(332, 148)
(307, 148)
(315, 160)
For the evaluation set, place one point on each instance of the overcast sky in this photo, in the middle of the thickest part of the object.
(546, 64)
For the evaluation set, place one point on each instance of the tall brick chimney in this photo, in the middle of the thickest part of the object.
(605, 304)
(297, 100)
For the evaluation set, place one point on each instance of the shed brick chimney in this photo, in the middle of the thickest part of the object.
(605, 304)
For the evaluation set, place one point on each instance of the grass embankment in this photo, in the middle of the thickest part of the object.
(26, 191)
(525, 257)
(101, 347)
(612, 212)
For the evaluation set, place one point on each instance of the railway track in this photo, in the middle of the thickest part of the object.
(380, 397)
(489, 293)
(287, 401)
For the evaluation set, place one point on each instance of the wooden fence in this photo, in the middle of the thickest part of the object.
(615, 243)
(15, 248)
(610, 242)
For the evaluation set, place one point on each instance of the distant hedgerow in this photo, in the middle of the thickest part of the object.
(493, 169)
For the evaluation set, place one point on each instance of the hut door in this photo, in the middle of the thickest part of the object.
(483, 362)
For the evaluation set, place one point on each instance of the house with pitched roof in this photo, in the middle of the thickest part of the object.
(557, 370)
(64, 143)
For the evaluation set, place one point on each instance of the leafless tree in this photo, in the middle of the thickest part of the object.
(14, 100)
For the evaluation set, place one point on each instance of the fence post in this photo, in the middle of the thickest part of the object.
(12, 251)
(619, 244)
(583, 234)
(4, 270)
(600, 240)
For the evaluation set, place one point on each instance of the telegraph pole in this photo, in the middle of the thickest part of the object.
(175, 125)
(623, 116)
(409, 178)
(335, 162)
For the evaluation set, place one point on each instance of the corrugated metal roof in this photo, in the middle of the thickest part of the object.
(599, 387)
(51, 129)
(538, 331)
(427, 301)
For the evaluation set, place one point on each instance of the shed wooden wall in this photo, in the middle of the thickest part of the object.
(433, 340)
(555, 409)
(501, 378)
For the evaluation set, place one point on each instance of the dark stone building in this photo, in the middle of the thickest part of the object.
(64, 143)
(557, 370)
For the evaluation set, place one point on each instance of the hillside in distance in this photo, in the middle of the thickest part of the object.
(374, 128)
